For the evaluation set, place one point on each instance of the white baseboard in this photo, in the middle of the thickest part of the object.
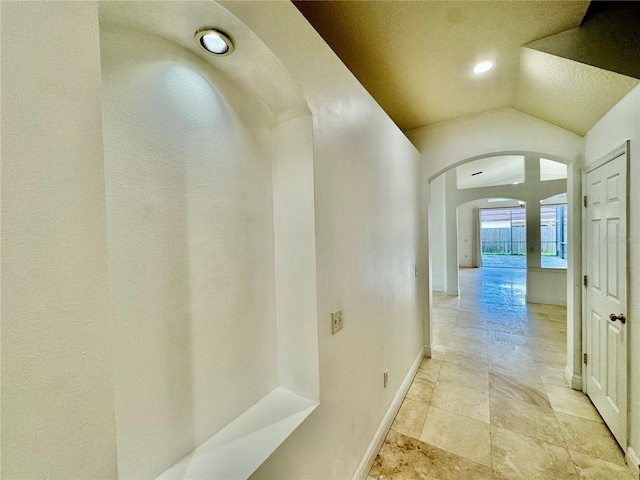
(547, 301)
(633, 461)
(369, 457)
(426, 351)
(453, 293)
(574, 381)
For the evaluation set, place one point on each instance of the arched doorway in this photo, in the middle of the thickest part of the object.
(529, 178)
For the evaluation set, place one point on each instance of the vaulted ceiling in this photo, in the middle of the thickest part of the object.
(416, 57)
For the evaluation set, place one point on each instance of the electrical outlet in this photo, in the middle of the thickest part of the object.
(386, 377)
(337, 321)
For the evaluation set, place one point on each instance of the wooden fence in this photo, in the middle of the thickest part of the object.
(512, 241)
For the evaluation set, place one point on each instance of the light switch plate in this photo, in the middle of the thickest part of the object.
(337, 321)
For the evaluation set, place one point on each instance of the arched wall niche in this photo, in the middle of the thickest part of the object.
(210, 233)
(253, 68)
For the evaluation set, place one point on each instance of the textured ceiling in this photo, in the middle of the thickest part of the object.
(415, 58)
(608, 38)
(566, 93)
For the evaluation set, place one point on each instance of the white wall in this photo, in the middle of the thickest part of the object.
(367, 238)
(547, 285)
(57, 384)
(295, 256)
(438, 235)
(620, 124)
(499, 131)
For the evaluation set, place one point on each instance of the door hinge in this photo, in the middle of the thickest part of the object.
(584, 280)
(585, 358)
(584, 200)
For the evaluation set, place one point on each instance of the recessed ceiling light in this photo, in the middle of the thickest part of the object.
(483, 67)
(214, 42)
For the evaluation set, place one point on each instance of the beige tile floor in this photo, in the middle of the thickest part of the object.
(492, 402)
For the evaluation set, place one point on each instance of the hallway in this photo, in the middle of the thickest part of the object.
(493, 403)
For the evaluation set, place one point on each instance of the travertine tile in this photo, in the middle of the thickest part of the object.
(403, 458)
(443, 315)
(510, 388)
(524, 370)
(463, 348)
(472, 333)
(458, 342)
(441, 335)
(507, 338)
(512, 359)
(572, 402)
(552, 375)
(468, 320)
(547, 330)
(501, 361)
(462, 400)
(421, 390)
(410, 418)
(441, 340)
(592, 438)
(467, 358)
(549, 358)
(457, 434)
(506, 325)
(518, 457)
(429, 369)
(526, 419)
(505, 353)
(466, 376)
(591, 468)
(557, 345)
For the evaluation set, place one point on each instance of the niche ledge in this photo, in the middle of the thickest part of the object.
(236, 451)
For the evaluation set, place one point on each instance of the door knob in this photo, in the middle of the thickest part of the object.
(613, 317)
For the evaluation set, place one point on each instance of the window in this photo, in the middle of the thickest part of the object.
(553, 236)
(491, 171)
(503, 237)
(550, 170)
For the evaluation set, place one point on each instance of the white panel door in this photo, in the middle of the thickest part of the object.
(606, 266)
